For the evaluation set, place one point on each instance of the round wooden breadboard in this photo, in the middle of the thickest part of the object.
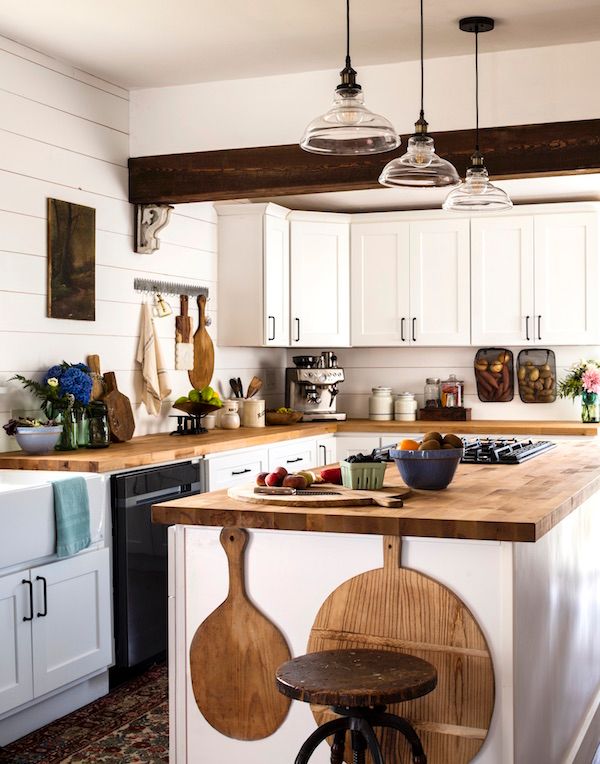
(394, 608)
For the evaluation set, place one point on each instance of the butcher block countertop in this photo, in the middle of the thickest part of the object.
(160, 448)
(519, 502)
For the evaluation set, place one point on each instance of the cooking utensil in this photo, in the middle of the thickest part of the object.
(184, 347)
(401, 610)
(204, 352)
(233, 658)
(240, 387)
(254, 386)
(343, 497)
(93, 363)
(118, 407)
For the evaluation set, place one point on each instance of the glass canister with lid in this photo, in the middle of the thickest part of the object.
(405, 407)
(452, 392)
(432, 393)
(381, 404)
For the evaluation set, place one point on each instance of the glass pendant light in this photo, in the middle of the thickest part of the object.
(477, 193)
(349, 127)
(420, 167)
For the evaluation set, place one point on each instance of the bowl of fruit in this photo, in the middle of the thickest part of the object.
(429, 465)
(199, 402)
(283, 416)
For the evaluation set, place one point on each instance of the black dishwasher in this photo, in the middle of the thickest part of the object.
(140, 556)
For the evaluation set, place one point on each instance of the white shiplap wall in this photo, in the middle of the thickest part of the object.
(64, 134)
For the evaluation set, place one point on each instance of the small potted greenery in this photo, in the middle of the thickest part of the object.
(583, 380)
(34, 436)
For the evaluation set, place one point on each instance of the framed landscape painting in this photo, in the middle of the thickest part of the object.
(71, 261)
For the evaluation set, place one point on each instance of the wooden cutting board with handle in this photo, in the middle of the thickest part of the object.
(118, 407)
(325, 495)
(204, 352)
(93, 362)
(184, 348)
(233, 658)
(395, 608)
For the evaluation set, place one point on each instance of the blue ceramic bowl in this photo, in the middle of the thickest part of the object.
(38, 440)
(427, 470)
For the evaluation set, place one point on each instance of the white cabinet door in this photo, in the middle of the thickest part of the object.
(566, 279)
(16, 668)
(380, 284)
(276, 276)
(72, 634)
(294, 456)
(439, 283)
(320, 284)
(326, 452)
(502, 308)
(236, 469)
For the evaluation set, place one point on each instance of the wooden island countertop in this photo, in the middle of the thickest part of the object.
(518, 502)
(162, 447)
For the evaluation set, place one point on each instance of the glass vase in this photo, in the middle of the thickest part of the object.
(590, 408)
(81, 417)
(65, 415)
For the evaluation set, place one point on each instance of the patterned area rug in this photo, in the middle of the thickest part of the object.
(127, 726)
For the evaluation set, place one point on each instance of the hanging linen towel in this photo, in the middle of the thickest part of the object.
(156, 385)
(72, 515)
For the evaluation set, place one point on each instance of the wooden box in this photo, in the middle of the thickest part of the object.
(448, 414)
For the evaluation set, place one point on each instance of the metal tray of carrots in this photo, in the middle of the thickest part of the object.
(494, 375)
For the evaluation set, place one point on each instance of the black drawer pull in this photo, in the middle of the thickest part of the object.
(414, 336)
(292, 461)
(324, 453)
(402, 337)
(241, 472)
(297, 320)
(30, 585)
(45, 583)
(527, 328)
(272, 318)
(539, 327)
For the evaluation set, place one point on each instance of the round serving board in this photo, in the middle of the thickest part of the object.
(394, 608)
(344, 497)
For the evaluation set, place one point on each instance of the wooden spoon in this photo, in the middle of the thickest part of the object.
(233, 658)
(254, 386)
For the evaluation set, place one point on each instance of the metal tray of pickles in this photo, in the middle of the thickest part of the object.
(536, 375)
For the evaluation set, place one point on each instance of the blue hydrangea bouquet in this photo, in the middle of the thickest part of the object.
(63, 386)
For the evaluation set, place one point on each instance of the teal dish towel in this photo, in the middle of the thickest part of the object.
(72, 513)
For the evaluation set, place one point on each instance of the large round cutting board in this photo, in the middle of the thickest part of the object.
(398, 609)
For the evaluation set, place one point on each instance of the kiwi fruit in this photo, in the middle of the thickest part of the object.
(452, 441)
(430, 445)
(432, 436)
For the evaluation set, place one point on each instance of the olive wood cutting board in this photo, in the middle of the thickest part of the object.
(233, 658)
(324, 497)
(204, 351)
(118, 409)
(398, 609)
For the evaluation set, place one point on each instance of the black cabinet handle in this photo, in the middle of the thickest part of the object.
(414, 323)
(30, 585)
(241, 472)
(402, 337)
(293, 461)
(297, 320)
(539, 327)
(527, 328)
(324, 453)
(272, 318)
(45, 583)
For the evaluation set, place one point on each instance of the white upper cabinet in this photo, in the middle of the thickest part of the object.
(439, 283)
(320, 280)
(254, 277)
(566, 279)
(502, 280)
(535, 279)
(410, 283)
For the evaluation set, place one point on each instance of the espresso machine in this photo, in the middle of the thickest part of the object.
(311, 387)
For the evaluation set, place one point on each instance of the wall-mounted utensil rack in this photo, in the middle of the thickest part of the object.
(152, 286)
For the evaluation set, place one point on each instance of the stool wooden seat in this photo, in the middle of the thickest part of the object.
(357, 684)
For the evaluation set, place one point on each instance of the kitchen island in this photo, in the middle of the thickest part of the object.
(517, 544)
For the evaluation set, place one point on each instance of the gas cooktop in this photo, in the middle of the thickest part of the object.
(503, 450)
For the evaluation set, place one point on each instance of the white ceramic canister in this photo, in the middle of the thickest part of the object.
(253, 413)
(209, 421)
(229, 419)
(227, 402)
(405, 407)
(381, 404)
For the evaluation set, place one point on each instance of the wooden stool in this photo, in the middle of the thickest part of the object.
(357, 684)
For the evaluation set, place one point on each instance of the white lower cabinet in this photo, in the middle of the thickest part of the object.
(326, 451)
(295, 455)
(55, 626)
(227, 470)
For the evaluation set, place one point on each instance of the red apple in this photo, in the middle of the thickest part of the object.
(332, 475)
(298, 482)
(273, 479)
(260, 478)
(281, 471)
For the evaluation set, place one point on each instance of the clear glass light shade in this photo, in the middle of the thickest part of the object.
(477, 193)
(349, 128)
(419, 167)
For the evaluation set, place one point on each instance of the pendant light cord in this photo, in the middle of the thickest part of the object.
(477, 92)
(348, 64)
(422, 115)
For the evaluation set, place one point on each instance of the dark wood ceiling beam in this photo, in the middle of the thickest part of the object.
(518, 151)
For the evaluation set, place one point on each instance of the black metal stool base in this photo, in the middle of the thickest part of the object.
(360, 723)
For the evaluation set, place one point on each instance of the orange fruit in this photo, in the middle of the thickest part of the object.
(408, 445)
